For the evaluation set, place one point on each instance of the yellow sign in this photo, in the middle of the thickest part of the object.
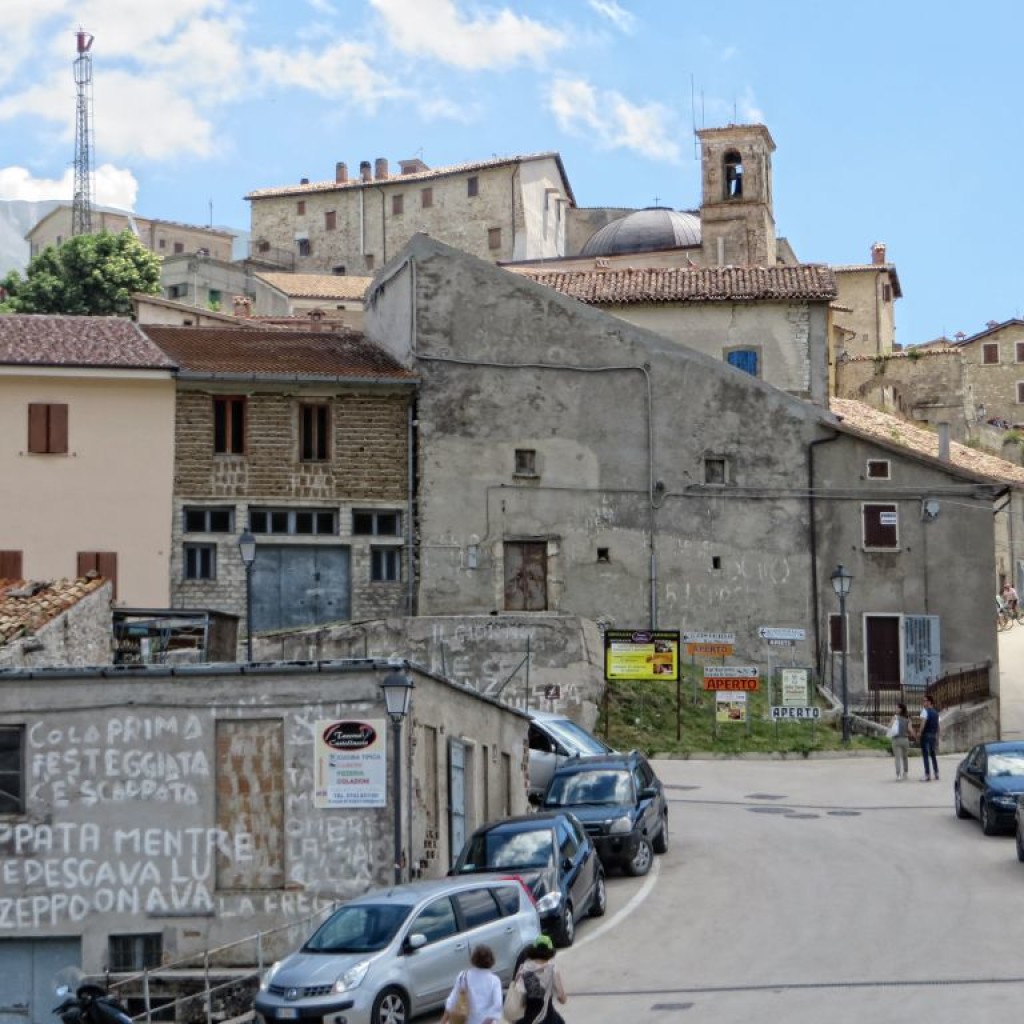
(710, 650)
(641, 654)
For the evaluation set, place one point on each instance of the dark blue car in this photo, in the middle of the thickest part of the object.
(988, 781)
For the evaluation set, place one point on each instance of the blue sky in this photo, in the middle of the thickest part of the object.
(896, 124)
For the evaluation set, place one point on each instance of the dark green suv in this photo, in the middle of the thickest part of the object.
(620, 802)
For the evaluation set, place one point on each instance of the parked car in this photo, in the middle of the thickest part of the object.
(554, 858)
(396, 952)
(553, 739)
(988, 781)
(621, 803)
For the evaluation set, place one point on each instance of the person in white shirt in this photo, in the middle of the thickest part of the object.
(482, 987)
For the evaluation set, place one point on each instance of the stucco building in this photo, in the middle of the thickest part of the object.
(506, 208)
(86, 453)
(163, 237)
(302, 438)
(626, 478)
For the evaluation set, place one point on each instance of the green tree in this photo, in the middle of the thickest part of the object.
(88, 275)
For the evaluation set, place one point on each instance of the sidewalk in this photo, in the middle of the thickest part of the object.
(1011, 682)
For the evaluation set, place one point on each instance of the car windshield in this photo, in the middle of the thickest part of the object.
(359, 928)
(1009, 763)
(598, 787)
(502, 851)
(575, 737)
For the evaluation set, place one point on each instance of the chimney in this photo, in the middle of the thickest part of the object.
(380, 168)
(242, 305)
(943, 429)
(340, 173)
(991, 324)
(878, 254)
(364, 170)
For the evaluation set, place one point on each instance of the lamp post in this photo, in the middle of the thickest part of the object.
(397, 693)
(841, 579)
(247, 550)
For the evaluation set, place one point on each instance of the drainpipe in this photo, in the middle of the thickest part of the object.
(811, 509)
(410, 531)
(512, 218)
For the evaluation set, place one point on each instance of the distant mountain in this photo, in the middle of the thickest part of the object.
(18, 216)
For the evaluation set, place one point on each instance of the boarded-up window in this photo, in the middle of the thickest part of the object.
(526, 569)
(398, 204)
(250, 797)
(10, 565)
(881, 526)
(836, 633)
(229, 425)
(300, 207)
(330, 220)
(47, 429)
(426, 198)
(990, 353)
(494, 238)
(102, 563)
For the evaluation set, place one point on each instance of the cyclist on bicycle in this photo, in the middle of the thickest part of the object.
(1010, 597)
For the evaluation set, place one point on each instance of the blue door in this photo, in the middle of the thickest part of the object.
(300, 585)
(30, 970)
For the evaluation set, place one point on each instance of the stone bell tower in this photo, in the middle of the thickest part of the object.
(737, 222)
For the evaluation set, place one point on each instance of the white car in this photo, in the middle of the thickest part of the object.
(395, 953)
(554, 739)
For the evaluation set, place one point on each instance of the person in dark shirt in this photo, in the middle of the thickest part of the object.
(928, 734)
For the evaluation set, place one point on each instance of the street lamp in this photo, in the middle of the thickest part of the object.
(397, 692)
(841, 579)
(247, 550)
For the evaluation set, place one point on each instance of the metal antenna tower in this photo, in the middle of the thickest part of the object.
(81, 206)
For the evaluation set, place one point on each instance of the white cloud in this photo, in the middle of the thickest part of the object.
(622, 19)
(114, 186)
(438, 30)
(612, 120)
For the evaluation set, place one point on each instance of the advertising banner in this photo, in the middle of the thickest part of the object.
(643, 654)
(351, 764)
(731, 677)
(730, 707)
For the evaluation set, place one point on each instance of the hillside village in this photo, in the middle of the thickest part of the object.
(450, 423)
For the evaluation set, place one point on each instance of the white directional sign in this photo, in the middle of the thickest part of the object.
(805, 714)
(709, 638)
(779, 633)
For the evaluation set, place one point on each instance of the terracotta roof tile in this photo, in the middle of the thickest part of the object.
(37, 340)
(908, 435)
(806, 282)
(417, 176)
(27, 606)
(318, 286)
(276, 352)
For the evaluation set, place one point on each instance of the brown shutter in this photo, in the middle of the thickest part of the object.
(37, 432)
(10, 565)
(106, 562)
(837, 642)
(87, 562)
(58, 429)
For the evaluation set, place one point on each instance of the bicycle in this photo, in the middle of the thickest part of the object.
(1005, 619)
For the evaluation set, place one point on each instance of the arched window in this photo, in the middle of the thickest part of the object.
(733, 180)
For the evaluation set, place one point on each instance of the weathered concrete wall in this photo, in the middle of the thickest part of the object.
(79, 636)
(185, 805)
(621, 423)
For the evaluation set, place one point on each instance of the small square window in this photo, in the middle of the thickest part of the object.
(385, 565)
(397, 204)
(473, 186)
(128, 953)
(209, 519)
(526, 462)
(200, 561)
(878, 469)
(426, 198)
(162, 244)
(494, 238)
(603, 555)
(716, 562)
(179, 247)
(990, 353)
(714, 470)
(377, 524)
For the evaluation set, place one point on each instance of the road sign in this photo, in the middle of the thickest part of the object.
(710, 650)
(730, 677)
(794, 687)
(772, 633)
(800, 714)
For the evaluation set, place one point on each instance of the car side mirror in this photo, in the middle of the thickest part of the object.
(417, 940)
(647, 793)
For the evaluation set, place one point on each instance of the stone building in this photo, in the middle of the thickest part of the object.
(865, 309)
(153, 813)
(339, 297)
(163, 237)
(506, 208)
(86, 453)
(994, 362)
(623, 477)
(302, 438)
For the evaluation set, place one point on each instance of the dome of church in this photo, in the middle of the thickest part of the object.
(644, 231)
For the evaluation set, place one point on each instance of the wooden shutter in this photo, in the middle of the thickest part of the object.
(37, 432)
(836, 633)
(103, 563)
(10, 565)
(47, 429)
(58, 440)
(879, 534)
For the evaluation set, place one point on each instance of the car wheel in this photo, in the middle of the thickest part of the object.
(600, 901)
(641, 862)
(565, 931)
(1020, 846)
(660, 843)
(958, 804)
(390, 1007)
(988, 820)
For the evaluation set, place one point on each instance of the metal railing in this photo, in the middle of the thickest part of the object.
(212, 973)
(965, 686)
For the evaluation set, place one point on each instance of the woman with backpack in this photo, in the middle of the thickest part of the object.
(541, 983)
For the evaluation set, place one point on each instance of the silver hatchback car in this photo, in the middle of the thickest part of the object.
(395, 953)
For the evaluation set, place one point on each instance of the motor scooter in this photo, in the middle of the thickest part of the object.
(90, 1004)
